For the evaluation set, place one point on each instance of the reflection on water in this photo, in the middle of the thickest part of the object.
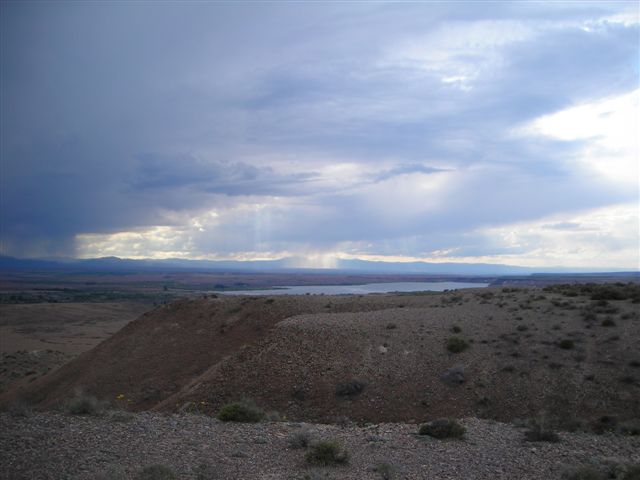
(359, 289)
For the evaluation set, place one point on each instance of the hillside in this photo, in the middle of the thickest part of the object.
(375, 358)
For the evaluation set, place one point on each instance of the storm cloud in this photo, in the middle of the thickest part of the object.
(421, 131)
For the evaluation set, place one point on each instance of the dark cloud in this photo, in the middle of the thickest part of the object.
(405, 169)
(159, 173)
(251, 100)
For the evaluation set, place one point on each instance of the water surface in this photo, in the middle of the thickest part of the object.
(359, 289)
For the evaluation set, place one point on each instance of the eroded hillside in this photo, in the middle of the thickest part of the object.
(566, 354)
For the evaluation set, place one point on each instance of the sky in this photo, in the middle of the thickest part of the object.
(494, 132)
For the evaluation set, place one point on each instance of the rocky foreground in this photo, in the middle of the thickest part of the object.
(119, 445)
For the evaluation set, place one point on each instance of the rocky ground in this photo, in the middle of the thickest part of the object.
(119, 445)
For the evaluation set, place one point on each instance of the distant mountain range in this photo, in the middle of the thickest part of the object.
(281, 265)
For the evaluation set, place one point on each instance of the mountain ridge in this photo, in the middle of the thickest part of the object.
(288, 264)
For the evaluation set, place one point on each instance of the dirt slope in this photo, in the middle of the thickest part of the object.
(163, 350)
(399, 356)
(291, 353)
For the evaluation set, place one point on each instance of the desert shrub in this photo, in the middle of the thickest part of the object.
(629, 427)
(391, 326)
(19, 409)
(111, 472)
(634, 363)
(604, 469)
(538, 433)
(632, 473)
(603, 306)
(604, 424)
(273, 416)
(583, 473)
(456, 329)
(156, 472)
(510, 290)
(607, 291)
(442, 428)
(325, 453)
(120, 416)
(457, 344)
(299, 393)
(206, 471)
(608, 322)
(343, 421)
(314, 476)
(300, 439)
(566, 304)
(245, 411)
(384, 470)
(350, 388)
(522, 328)
(566, 344)
(82, 404)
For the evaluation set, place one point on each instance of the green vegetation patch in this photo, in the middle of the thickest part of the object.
(598, 291)
(566, 344)
(608, 322)
(82, 404)
(443, 428)
(350, 388)
(326, 453)
(540, 434)
(245, 412)
(457, 344)
(385, 471)
(156, 472)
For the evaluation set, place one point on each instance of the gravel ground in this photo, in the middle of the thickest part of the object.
(119, 445)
